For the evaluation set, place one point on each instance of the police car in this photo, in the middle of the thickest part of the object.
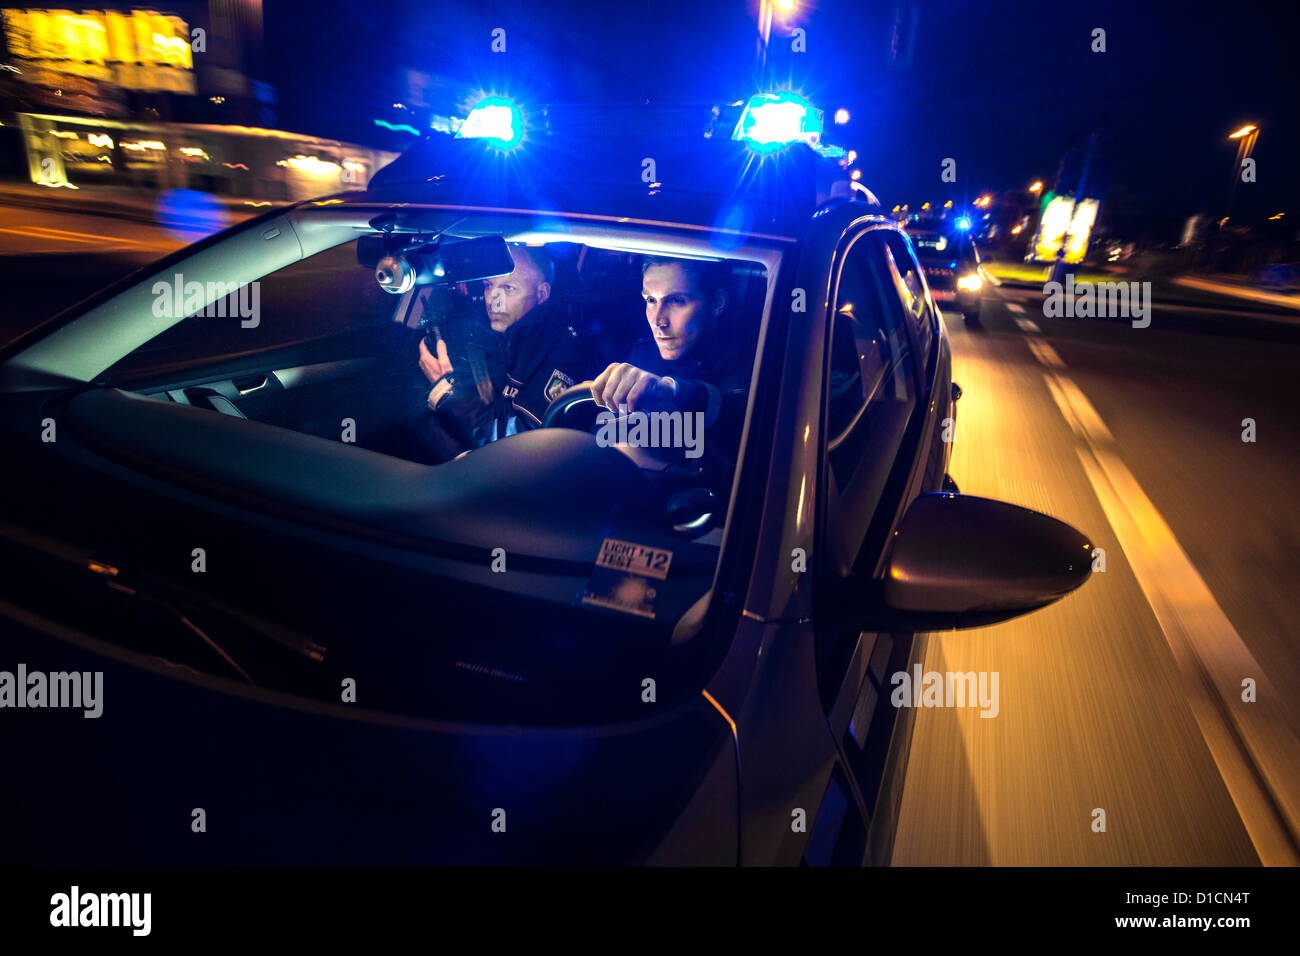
(952, 266)
(551, 648)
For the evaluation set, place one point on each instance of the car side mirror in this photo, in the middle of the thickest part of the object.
(962, 561)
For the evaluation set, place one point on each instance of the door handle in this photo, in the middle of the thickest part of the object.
(250, 385)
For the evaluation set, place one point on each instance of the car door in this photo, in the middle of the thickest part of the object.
(872, 405)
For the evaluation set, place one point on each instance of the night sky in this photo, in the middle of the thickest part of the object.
(1005, 88)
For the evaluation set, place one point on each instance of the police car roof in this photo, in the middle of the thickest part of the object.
(689, 178)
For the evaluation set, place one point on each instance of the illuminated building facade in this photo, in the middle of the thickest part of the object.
(154, 99)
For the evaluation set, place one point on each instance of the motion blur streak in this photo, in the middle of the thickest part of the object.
(1103, 705)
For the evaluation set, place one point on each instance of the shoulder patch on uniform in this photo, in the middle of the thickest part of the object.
(557, 383)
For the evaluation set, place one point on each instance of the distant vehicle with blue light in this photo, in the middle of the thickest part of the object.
(582, 639)
(952, 266)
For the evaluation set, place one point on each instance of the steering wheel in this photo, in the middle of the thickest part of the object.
(567, 405)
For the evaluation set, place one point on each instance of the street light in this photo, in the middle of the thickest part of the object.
(841, 116)
(1037, 187)
(1246, 137)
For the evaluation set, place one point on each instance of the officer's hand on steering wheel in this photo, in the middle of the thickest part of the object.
(622, 384)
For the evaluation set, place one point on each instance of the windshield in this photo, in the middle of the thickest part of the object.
(582, 412)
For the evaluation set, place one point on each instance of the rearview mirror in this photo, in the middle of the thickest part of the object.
(962, 561)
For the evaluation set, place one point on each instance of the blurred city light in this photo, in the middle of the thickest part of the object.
(785, 6)
(311, 165)
(1242, 132)
(1037, 187)
(963, 223)
(398, 127)
(841, 116)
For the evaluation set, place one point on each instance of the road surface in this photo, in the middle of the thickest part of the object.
(1125, 697)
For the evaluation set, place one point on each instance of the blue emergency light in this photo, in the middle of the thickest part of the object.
(496, 120)
(963, 223)
(774, 120)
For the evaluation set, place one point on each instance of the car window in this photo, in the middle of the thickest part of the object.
(910, 287)
(315, 298)
(871, 396)
(326, 350)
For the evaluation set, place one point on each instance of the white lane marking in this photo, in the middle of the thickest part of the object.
(1077, 410)
(1028, 325)
(1252, 744)
(1015, 307)
(1045, 353)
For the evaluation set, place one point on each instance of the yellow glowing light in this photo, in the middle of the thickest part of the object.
(1059, 225)
(193, 151)
(264, 202)
(1242, 132)
(1015, 230)
(64, 134)
(895, 209)
(785, 6)
(172, 49)
(311, 165)
(101, 139)
(856, 175)
(925, 206)
(971, 282)
(144, 144)
(948, 204)
(1036, 187)
(1278, 216)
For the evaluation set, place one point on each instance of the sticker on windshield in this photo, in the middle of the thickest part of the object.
(625, 575)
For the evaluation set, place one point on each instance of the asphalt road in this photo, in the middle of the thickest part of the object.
(1124, 697)
(50, 259)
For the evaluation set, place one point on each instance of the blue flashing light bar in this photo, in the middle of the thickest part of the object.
(496, 120)
(772, 121)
